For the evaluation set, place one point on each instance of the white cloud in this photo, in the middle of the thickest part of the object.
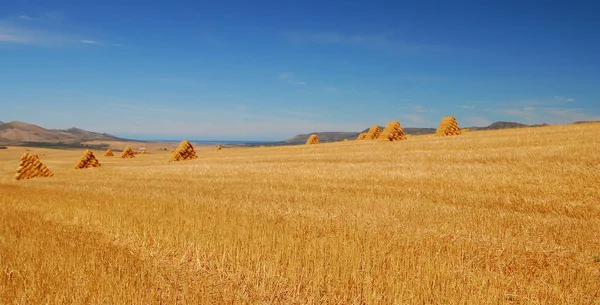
(570, 100)
(89, 41)
(468, 107)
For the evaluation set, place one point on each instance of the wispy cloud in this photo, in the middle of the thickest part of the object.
(184, 81)
(89, 41)
(8, 38)
(564, 99)
(289, 77)
(42, 30)
(285, 75)
(296, 82)
(414, 120)
(297, 113)
(416, 109)
(467, 107)
(421, 78)
(25, 17)
(331, 89)
(381, 41)
(476, 121)
(534, 115)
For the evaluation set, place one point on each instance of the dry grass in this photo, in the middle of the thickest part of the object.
(490, 217)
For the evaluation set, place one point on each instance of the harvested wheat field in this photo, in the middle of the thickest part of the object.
(490, 217)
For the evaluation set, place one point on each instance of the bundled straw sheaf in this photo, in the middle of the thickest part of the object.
(218, 147)
(32, 167)
(362, 136)
(392, 132)
(373, 133)
(128, 153)
(185, 151)
(88, 160)
(108, 153)
(313, 139)
(448, 127)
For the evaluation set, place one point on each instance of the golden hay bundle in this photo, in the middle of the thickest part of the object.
(31, 167)
(362, 136)
(88, 160)
(128, 153)
(448, 127)
(218, 147)
(313, 139)
(373, 133)
(108, 153)
(185, 151)
(392, 132)
(143, 152)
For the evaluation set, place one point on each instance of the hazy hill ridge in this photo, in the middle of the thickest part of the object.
(339, 136)
(18, 132)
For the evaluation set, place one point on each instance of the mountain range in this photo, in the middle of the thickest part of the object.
(339, 136)
(19, 133)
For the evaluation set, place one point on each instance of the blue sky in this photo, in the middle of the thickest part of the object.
(267, 70)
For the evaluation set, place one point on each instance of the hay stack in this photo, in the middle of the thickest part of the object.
(448, 127)
(88, 160)
(31, 167)
(218, 147)
(128, 153)
(108, 153)
(313, 139)
(392, 132)
(185, 151)
(373, 133)
(362, 136)
(144, 152)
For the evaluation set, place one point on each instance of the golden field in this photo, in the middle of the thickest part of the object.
(489, 217)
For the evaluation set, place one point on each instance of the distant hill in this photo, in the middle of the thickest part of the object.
(585, 122)
(339, 136)
(16, 133)
(505, 125)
